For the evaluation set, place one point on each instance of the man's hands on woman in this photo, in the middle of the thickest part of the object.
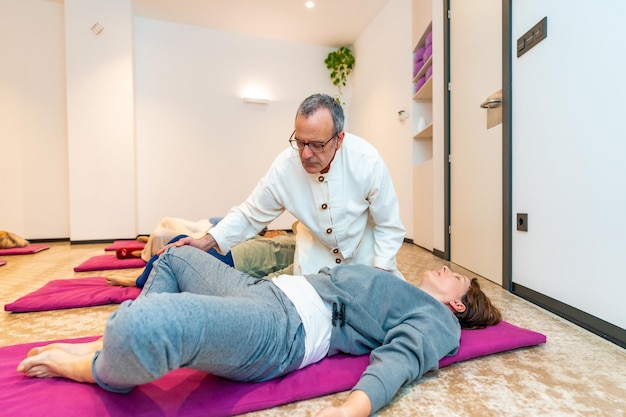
(205, 243)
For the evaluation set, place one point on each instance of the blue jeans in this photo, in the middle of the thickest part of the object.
(143, 277)
(197, 312)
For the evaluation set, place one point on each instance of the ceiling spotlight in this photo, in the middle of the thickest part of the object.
(309, 4)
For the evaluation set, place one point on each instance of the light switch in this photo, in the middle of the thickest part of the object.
(532, 37)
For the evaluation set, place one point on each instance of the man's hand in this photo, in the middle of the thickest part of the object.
(205, 243)
(358, 404)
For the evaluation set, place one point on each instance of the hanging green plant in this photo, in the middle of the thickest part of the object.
(340, 64)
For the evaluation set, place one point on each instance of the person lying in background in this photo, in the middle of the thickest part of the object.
(170, 227)
(197, 312)
(258, 257)
(167, 229)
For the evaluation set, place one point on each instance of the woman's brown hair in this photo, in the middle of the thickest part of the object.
(479, 311)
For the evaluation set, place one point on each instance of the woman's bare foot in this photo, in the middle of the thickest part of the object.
(77, 349)
(58, 363)
(123, 281)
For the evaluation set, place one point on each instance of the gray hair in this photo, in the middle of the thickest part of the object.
(315, 102)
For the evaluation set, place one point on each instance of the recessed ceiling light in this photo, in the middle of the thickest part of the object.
(309, 4)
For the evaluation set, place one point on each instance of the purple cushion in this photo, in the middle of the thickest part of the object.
(417, 66)
(429, 39)
(428, 52)
(429, 72)
(125, 244)
(106, 262)
(32, 248)
(72, 293)
(188, 393)
(420, 83)
(419, 54)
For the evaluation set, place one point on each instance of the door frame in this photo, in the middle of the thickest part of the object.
(507, 177)
(507, 146)
(586, 321)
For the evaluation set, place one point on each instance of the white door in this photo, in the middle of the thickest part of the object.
(475, 150)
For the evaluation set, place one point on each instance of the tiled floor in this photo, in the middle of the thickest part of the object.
(575, 374)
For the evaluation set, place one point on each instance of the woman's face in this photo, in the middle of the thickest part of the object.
(447, 285)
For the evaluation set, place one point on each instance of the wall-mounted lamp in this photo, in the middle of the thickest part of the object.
(252, 100)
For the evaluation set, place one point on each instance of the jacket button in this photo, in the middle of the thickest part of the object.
(324, 206)
(329, 231)
(336, 250)
(320, 178)
(337, 261)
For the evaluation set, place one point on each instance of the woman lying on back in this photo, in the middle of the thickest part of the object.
(197, 312)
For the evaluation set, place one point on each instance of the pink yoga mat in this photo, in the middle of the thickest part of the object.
(125, 244)
(72, 293)
(188, 393)
(107, 262)
(26, 250)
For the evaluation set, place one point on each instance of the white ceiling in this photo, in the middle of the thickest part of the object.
(331, 22)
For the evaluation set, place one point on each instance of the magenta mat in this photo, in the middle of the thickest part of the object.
(60, 294)
(107, 262)
(187, 393)
(26, 250)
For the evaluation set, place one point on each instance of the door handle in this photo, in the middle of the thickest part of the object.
(491, 103)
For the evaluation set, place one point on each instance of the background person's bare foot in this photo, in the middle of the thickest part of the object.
(58, 363)
(122, 281)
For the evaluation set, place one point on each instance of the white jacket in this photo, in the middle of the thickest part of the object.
(349, 215)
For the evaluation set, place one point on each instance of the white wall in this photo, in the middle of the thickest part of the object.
(200, 148)
(33, 130)
(194, 148)
(568, 155)
(427, 173)
(155, 124)
(100, 119)
(381, 87)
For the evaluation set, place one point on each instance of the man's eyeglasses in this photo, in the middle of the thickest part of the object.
(315, 147)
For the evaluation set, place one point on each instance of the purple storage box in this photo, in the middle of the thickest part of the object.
(429, 71)
(429, 39)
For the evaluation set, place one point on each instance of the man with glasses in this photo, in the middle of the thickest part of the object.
(335, 184)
